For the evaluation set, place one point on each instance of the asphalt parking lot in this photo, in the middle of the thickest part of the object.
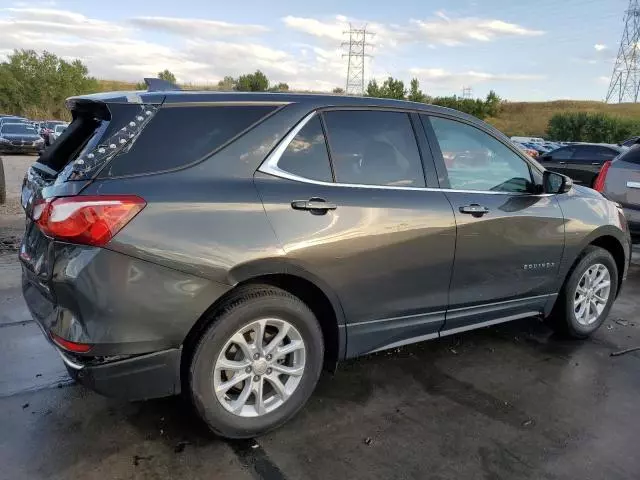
(508, 402)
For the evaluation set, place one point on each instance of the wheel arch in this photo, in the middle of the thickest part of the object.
(319, 297)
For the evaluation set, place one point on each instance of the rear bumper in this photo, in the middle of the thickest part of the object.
(138, 378)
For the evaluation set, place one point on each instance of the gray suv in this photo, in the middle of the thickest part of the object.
(232, 245)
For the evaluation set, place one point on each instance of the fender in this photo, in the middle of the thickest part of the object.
(284, 266)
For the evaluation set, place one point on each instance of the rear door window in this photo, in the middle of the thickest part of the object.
(374, 148)
(178, 136)
(306, 156)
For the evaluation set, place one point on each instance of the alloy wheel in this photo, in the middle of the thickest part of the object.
(259, 367)
(592, 294)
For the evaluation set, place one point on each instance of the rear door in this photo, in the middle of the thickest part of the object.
(556, 160)
(510, 239)
(586, 161)
(357, 219)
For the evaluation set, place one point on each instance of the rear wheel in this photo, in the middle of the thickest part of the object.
(587, 295)
(257, 363)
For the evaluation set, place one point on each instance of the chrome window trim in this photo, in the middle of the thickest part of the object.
(270, 167)
(633, 184)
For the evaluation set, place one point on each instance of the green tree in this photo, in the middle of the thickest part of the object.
(415, 94)
(167, 75)
(253, 82)
(338, 91)
(227, 84)
(373, 90)
(391, 88)
(281, 87)
(36, 85)
(492, 104)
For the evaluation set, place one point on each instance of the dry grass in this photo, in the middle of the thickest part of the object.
(532, 118)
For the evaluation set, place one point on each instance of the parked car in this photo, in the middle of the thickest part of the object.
(582, 161)
(527, 140)
(12, 119)
(230, 245)
(619, 180)
(46, 129)
(529, 151)
(19, 138)
(57, 131)
(629, 142)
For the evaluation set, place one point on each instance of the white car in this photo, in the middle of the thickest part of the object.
(57, 131)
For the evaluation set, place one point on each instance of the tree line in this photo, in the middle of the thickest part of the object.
(591, 127)
(394, 88)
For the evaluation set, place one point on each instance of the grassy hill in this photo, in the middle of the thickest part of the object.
(532, 118)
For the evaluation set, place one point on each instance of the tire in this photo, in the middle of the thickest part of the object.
(242, 311)
(564, 318)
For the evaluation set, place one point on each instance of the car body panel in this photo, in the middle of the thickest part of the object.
(388, 253)
(622, 185)
(512, 252)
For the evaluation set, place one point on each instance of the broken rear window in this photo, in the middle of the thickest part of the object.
(179, 136)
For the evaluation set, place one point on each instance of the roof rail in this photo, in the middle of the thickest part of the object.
(159, 85)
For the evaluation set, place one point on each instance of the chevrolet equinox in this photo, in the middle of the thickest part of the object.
(230, 246)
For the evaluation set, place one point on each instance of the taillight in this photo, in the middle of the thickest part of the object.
(69, 345)
(598, 185)
(88, 220)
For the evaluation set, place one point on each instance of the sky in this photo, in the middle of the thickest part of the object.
(524, 50)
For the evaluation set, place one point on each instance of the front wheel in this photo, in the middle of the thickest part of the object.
(257, 363)
(587, 295)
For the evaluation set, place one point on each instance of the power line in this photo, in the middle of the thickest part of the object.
(357, 53)
(625, 79)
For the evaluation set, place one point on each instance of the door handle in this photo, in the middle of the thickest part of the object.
(562, 163)
(474, 209)
(317, 206)
(596, 163)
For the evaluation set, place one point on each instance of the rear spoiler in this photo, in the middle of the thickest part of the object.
(159, 85)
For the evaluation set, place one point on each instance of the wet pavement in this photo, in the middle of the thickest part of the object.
(510, 402)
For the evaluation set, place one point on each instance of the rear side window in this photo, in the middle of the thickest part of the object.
(564, 153)
(178, 136)
(632, 155)
(374, 148)
(306, 155)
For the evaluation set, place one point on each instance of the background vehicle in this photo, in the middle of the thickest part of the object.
(221, 244)
(19, 138)
(47, 127)
(57, 131)
(527, 139)
(12, 119)
(619, 180)
(629, 142)
(581, 162)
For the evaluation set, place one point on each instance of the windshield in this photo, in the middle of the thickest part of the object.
(16, 128)
(60, 128)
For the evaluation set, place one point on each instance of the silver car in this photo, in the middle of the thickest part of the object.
(620, 181)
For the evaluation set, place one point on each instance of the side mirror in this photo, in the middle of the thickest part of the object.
(553, 182)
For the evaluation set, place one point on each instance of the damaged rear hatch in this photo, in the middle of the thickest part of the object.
(103, 127)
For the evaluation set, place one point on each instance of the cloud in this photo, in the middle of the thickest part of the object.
(443, 77)
(599, 47)
(603, 80)
(332, 30)
(45, 21)
(197, 27)
(458, 31)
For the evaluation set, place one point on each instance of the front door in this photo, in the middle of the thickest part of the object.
(363, 225)
(586, 161)
(509, 239)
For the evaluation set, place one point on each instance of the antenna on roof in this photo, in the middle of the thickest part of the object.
(159, 85)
